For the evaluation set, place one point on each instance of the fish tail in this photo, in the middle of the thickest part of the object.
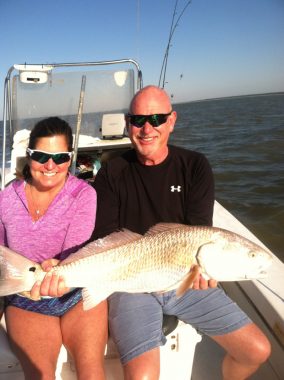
(16, 272)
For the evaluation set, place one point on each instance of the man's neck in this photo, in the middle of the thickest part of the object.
(152, 160)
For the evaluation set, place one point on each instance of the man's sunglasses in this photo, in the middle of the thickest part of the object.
(155, 120)
(42, 157)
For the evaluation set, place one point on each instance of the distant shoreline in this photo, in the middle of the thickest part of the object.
(232, 97)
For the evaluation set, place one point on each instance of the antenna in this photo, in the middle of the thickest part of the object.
(172, 30)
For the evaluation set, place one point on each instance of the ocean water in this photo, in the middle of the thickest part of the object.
(243, 138)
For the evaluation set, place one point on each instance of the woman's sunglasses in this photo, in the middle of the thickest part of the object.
(155, 120)
(42, 157)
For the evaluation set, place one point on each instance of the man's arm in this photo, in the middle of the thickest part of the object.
(200, 208)
(200, 201)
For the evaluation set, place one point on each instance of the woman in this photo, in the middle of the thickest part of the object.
(46, 216)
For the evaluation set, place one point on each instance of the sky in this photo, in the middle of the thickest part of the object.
(219, 48)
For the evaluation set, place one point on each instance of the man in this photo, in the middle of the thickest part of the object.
(154, 183)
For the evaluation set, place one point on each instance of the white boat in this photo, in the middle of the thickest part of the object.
(93, 97)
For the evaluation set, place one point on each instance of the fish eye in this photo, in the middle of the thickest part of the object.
(32, 269)
(252, 254)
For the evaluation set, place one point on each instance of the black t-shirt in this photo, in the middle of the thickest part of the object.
(135, 196)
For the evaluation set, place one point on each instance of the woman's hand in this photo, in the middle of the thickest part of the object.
(52, 285)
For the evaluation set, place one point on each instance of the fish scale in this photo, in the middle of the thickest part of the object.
(138, 260)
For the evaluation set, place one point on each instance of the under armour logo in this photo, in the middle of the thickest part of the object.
(178, 189)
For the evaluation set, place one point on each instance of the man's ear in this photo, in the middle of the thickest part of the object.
(172, 120)
(126, 122)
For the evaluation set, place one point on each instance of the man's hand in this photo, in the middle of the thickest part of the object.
(52, 285)
(201, 283)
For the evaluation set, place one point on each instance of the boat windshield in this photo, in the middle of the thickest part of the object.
(106, 91)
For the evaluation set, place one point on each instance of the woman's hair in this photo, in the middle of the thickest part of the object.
(52, 126)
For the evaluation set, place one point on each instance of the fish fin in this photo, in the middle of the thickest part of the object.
(16, 272)
(92, 297)
(114, 240)
(188, 281)
(161, 227)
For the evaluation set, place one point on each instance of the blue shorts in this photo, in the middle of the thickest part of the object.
(135, 320)
(56, 306)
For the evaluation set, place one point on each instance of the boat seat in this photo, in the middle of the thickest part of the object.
(170, 323)
(8, 361)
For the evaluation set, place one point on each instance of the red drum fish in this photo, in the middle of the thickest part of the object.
(158, 261)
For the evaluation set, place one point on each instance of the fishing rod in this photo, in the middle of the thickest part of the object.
(172, 30)
(79, 119)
